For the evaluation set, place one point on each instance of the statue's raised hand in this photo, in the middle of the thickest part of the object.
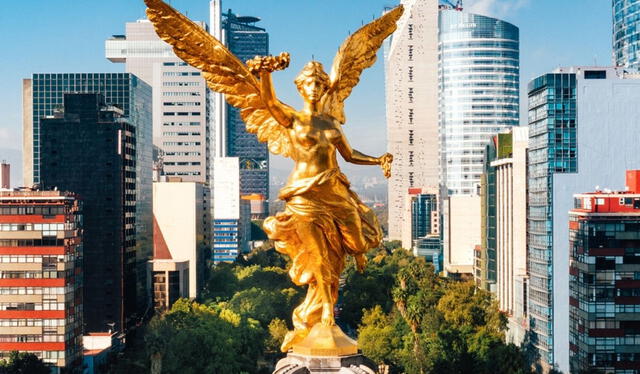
(269, 63)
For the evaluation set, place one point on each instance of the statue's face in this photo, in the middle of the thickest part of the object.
(312, 89)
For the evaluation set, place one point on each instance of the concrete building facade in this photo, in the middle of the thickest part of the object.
(41, 252)
(582, 131)
(511, 231)
(462, 233)
(411, 86)
(180, 99)
(604, 242)
(181, 234)
(231, 225)
(5, 175)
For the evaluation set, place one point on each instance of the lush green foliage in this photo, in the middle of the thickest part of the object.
(436, 325)
(23, 363)
(236, 327)
(406, 317)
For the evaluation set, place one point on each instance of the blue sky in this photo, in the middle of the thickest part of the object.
(68, 36)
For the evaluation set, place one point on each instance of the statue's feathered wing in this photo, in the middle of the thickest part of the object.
(223, 71)
(357, 53)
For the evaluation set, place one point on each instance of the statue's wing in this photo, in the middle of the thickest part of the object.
(222, 70)
(357, 53)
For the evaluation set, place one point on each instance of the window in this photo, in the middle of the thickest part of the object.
(595, 74)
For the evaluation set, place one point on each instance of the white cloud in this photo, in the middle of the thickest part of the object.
(495, 8)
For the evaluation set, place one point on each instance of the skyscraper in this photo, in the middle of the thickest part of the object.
(604, 286)
(90, 148)
(411, 85)
(231, 139)
(41, 284)
(479, 74)
(626, 33)
(452, 81)
(582, 131)
(180, 99)
(44, 93)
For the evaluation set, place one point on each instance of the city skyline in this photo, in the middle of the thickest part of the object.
(33, 53)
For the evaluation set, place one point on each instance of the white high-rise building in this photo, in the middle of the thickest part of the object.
(231, 214)
(511, 231)
(180, 99)
(411, 68)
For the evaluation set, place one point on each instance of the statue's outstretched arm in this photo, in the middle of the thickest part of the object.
(356, 157)
(353, 156)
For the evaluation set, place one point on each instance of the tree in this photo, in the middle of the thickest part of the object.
(380, 336)
(437, 325)
(277, 331)
(23, 363)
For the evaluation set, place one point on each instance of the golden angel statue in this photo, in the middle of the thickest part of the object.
(323, 221)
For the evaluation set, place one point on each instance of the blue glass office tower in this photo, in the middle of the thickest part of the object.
(552, 150)
(422, 207)
(246, 41)
(479, 73)
(626, 33)
(43, 95)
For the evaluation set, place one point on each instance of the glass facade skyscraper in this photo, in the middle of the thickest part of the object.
(246, 41)
(552, 149)
(626, 33)
(479, 91)
(582, 131)
(44, 95)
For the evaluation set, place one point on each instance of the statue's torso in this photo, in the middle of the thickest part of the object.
(314, 139)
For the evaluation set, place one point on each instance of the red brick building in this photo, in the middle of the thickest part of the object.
(605, 280)
(41, 276)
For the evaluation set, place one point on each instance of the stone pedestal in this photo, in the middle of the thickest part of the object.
(299, 364)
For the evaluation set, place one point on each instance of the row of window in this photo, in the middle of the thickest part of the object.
(35, 210)
(33, 290)
(175, 133)
(182, 103)
(182, 93)
(30, 322)
(44, 242)
(35, 258)
(32, 306)
(195, 123)
(27, 274)
(180, 73)
(31, 338)
(37, 226)
(181, 113)
(181, 144)
(180, 84)
(183, 154)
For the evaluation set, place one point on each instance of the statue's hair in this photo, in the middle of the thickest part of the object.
(312, 69)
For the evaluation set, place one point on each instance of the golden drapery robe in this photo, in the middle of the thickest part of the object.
(321, 204)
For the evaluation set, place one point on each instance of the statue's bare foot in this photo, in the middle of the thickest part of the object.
(292, 338)
(328, 318)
